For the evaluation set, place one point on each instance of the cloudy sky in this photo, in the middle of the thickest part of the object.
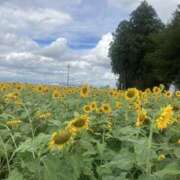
(39, 38)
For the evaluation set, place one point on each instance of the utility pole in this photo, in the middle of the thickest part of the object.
(68, 70)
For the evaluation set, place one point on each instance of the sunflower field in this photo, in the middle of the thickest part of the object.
(86, 133)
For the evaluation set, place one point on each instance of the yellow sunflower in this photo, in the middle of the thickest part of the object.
(12, 96)
(87, 109)
(19, 87)
(43, 115)
(141, 117)
(60, 139)
(105, 108)
(161, 157)
(39, 88)
(156, 90)
(56, 94)
(177, 93)
(14, 123)
(118, 105)
(131, 93)
(79, 123)
(148, 91)
(165, 118)
(93, 105)
(45, 89)
(178, 141)
(84, 91)
(168, 94)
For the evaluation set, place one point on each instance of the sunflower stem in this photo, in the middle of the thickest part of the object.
(148, 161)
(6, 154)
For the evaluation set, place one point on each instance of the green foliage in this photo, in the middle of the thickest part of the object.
(121, 151)
(164, 61)
(131, 43)
(144, 52)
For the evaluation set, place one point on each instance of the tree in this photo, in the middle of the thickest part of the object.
(131, 44)
(164, 62)
(119, 51)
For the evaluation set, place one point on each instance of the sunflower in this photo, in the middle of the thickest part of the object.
(165, 118)
(18, 102)
(45, 89)
(113, 93)
(168, 94)
(118, 105)
(93, 105)
(43, 115)
(148, 91)
(178, 141)
(79, 123)
(177, 93)
(161, 157)
(14, 123)
(131, 93)
(56, 94)
(60, 139)
(39, 88)
(87, 109)
(141, 117)
(106, 108)
(156, 90)
(84, 91)
(11, 96)
(19, 87)
(137, 105)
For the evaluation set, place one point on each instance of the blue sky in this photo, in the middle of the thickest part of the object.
(39, 38)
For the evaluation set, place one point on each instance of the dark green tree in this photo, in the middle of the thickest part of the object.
(164, 61)
(131, 44)
(119, 53)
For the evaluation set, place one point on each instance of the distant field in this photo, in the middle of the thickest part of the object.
(85, 133)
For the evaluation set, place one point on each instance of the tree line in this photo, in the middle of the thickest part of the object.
(145, 52)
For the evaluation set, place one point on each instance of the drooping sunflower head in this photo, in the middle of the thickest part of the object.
(79, 123)
(131, 93)
(141, 117)
(165, 118)
(60, 139)
(84, 91)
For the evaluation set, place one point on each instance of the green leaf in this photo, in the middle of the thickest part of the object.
(171, 169)
(15, 175)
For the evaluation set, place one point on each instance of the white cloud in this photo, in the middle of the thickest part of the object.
(99, 54)
(164, 8)
(12, 43)
(50, 64)
(56, 49)
(36, 22)
(122, 3)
